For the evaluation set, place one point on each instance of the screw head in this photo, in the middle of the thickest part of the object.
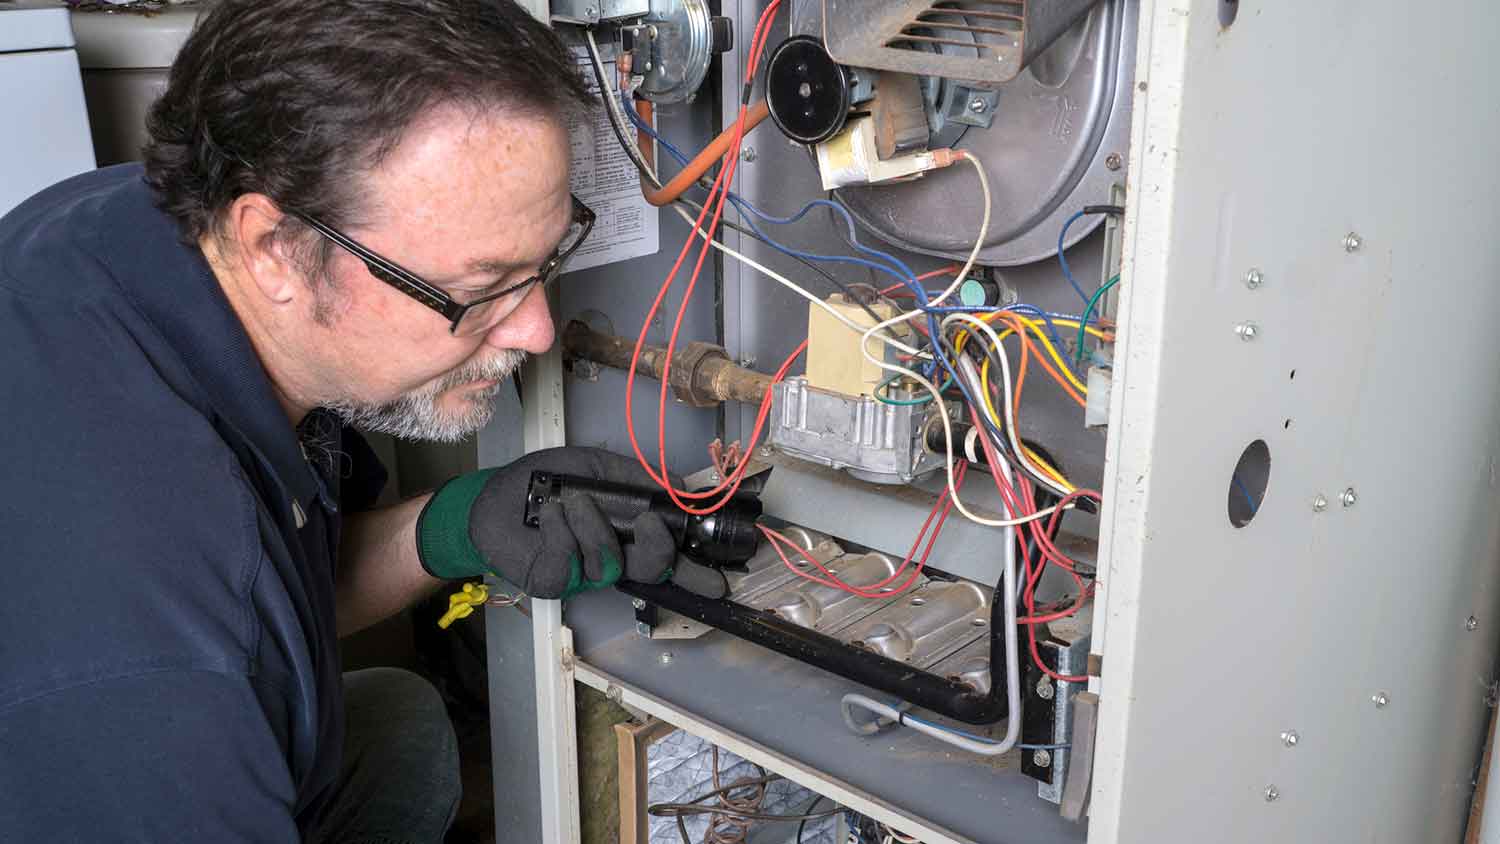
(747, 154)
(666, 657)
(1112, 161)
(1352, 242)
(978, 106)
(1290, 738)
(638, 603)
(1272, 794)
(1380, 699)
(614, 693)
(1471, 624)
(713, 477)
(1320, 503)
(765, 451)
(1041, 759)
(748, 361)
(1254, 278)
(1347, 497)
(1247, 331)
(591, 12)
(1044, 689)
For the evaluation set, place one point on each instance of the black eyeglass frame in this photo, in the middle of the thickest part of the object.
(435, 297)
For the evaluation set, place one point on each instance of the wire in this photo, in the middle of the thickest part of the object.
(1089, 309)
(1249, 499)
(802, 824)
(906, 716)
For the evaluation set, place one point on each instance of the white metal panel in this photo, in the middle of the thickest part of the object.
(34, 25)
(46, 125)
(1262, 145)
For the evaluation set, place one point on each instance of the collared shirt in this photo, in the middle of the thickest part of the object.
(168, 650)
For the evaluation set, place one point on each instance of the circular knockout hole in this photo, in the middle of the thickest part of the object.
(1228, 9)
(1247, 486)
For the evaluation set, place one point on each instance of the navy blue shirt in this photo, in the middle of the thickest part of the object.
(168, 652)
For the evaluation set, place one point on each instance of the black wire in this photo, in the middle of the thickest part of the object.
(803, 823)
(1115, 210)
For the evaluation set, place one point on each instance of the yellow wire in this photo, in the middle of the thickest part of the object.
(989, 408)
(1036, 329)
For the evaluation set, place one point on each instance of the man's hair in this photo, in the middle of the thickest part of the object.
(299, 100)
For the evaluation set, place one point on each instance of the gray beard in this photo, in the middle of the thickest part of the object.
(416, 416)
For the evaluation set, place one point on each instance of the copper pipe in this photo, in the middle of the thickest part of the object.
(702, 373)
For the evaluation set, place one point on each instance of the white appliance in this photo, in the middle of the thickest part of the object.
(125, 60)
(41, 102)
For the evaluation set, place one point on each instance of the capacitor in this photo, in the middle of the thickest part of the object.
(808, 93)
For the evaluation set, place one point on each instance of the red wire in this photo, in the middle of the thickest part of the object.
(940, 510)
(732, 482)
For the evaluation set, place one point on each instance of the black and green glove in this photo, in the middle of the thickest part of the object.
(473, 525)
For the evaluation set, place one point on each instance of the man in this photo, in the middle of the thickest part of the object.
(347, 215)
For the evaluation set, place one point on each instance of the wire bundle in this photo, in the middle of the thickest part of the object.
(936, 353)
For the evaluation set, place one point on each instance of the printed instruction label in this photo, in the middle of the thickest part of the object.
(606, 180)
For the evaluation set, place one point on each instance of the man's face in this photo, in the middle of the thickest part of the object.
(471, 203)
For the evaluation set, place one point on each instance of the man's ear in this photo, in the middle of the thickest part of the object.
(250, 223)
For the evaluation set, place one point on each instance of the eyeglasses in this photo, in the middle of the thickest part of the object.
(479, 312)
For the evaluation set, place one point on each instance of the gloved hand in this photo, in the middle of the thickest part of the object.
(473, 525)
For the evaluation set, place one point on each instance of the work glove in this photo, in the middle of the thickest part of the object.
(473, 526)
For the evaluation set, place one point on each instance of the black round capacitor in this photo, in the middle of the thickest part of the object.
(806, 90)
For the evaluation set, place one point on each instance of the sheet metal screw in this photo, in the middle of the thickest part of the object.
(591, 12)
(748, 361)
(1246, 331)
(1352, 242)
(1041, 759)
(1380, 699)
(1289, 738)
(978, 106)
(1320, 503)
(1044, 689)
(1348, 497)
(747, 154)
(643, 630)
(638, 603)
(1112, 161)
(1272, 794)
(1254, 278)
(1472, 624)
(666, 657)
(713, 477)
(614, 693)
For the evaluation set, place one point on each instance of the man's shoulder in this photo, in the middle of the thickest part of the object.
(50, 244)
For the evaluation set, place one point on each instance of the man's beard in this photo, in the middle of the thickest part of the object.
(416, 415)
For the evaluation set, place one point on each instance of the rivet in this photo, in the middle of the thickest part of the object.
(1246, 331)
(1272, 794)
(1348, 497)
(1290, 738)
(1380, 699)
(1352, 242)
(1254, 278)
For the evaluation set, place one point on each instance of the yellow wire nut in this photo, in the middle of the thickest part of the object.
(461, 604)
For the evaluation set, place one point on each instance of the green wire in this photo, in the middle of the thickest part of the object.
(1083, 321)
(876, 393)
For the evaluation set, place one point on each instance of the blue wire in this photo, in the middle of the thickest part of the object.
(1250, 499)
(905, 276)
(981, 739)
(1063, 259)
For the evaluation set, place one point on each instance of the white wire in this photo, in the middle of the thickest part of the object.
(612, 103)
(984, 231)
(1008, 585)
(794, 287)
(864, 349)
(977, 384)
